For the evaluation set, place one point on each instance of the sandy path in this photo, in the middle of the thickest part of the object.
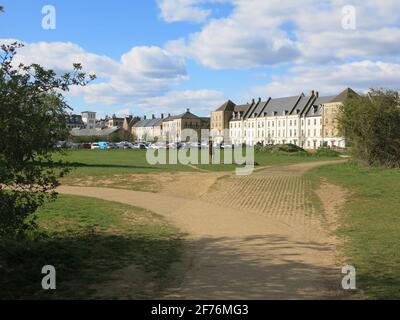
(235, 252)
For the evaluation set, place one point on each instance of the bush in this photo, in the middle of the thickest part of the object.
(326, 152)
(371, 124)
(284, 149)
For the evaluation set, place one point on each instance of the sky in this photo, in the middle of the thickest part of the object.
(164, 56)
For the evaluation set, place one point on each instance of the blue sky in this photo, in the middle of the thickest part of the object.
(166, 56)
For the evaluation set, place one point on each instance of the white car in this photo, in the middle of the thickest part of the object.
(95, 146)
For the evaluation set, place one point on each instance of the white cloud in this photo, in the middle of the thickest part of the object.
(183, 10)
(199, 101)
(144, 78)
(332, 79)
(261, 33)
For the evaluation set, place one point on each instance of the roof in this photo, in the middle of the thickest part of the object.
(89, 112)
(186, 115)
(342, 97)
(93, 132)
(148, 123)
(74, 119)
(227, 106)
(315, 109)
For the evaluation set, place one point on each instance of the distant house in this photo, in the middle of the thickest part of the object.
(114, 121)
(74, 121)
(104, 133)
(129, 122)
(174, 126)
(89, 119)
(148, 129)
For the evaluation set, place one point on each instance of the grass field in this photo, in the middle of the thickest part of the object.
(110, 162)
(86, 240)
(129, 169)
(370, 223)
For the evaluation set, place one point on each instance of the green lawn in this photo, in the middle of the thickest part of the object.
(371, 224)
(86, 239)
(109, 162)
(114, 168)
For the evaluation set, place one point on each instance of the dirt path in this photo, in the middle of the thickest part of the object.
(253, 237)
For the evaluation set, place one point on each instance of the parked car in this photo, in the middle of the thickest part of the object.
(111, 145)
(95, 146)
(86, 146)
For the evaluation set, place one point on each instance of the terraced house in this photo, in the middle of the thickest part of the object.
(307, 121)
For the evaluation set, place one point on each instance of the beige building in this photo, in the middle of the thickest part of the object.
(148, 130)
(220, 121)
(114, 121)
(307, 121)
(173, 127)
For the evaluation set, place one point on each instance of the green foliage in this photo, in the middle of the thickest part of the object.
(326, 152)
(371, 125)
(32, 120)
(283, 149)
(87, 139)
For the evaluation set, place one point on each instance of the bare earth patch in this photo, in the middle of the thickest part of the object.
(256, 237)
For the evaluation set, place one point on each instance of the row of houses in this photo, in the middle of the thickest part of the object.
(170, 128)
(144, 129)
(309, 121)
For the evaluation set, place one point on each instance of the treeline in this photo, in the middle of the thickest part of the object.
(371, 125)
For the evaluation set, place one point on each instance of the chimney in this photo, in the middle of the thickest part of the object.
(162, 115)
(153, 116)
(254, 101)
(312, 93)
(169, 115)
(317, 94)
(187, 110)
(259, 99)
(145, 117)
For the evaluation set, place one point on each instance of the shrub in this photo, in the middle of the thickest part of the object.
(371, 124)
(326, 152)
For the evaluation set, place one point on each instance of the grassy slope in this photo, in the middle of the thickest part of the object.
(86, 239)
(371, 223)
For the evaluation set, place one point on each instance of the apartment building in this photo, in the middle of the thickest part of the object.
(148, 130)
(173, 127)
(307, 121)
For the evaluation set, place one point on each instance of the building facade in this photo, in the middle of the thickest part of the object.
(148, 130)
(307, 121)
(89, 119)
(173, 127)
(74, 121)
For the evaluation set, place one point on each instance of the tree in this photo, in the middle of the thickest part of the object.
(32, 119)
(371, 124)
